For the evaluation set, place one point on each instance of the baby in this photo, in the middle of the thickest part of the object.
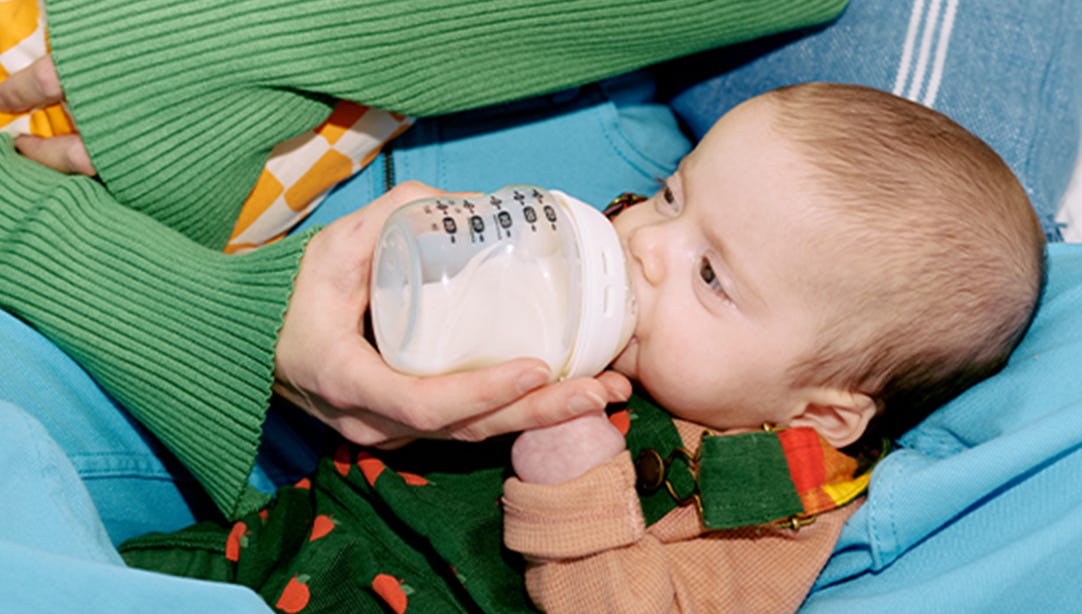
(829, 256)
(833, 253)
(830, 261)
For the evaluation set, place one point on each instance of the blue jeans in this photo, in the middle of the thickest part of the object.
(135, 484)
(1009, 72)
(55, 555)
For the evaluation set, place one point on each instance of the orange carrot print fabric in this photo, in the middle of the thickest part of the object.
(369, 531)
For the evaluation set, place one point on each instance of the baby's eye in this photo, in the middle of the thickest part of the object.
(706, 273)
(667, 204)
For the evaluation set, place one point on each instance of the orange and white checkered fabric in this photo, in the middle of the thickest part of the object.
(22, 40)
(297, 175)
(301, 171)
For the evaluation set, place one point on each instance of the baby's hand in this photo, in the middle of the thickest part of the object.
(567, 450)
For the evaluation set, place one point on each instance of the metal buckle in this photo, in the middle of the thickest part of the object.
(692, 461)
(794, 522)
(652, 473)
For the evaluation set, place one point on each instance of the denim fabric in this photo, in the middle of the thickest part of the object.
(55, 555)
(1010, 72)
(133, 480)
(975, 511)
(43, 501)
(592, 142)
(135, 484)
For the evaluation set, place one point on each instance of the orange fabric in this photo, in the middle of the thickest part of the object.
(301, 171)
(823, 477)
(19, 19)
(22, 40)
(266, 190)
(331, 168)
(340, 120)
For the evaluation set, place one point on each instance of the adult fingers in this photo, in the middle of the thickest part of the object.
(66, 153)
(472, 405)
(617, 385)
(430, 404)
(36, 85)
(357, 425)
(546, 406)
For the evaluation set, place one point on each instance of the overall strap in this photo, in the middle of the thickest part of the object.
(782, 477)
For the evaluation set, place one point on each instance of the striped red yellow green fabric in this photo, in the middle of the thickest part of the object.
(786, 476)
(823, 477)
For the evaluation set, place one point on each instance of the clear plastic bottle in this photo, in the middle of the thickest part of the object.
(463, 283)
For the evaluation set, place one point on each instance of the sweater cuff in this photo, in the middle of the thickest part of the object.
(595, 512)
(182, 336)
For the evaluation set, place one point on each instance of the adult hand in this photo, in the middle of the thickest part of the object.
(326, 366)
(35, 86)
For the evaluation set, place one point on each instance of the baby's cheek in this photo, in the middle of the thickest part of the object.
(626, 362)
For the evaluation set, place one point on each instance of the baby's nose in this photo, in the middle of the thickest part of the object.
(646, 247)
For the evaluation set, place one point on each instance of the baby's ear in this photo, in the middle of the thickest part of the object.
(840, 416)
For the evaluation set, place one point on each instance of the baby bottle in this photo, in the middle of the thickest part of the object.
(463, 283)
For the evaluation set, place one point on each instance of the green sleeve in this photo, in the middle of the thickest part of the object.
(181, 335)
(180, 102)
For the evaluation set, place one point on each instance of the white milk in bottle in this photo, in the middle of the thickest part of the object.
(463, 283)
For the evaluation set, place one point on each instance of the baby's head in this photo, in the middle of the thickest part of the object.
(829, 254)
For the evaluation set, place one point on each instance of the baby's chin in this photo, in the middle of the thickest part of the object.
(627, 361)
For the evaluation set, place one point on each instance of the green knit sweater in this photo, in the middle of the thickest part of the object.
(180, 334)
(180, 103)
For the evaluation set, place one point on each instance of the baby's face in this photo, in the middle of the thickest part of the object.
(724, 262)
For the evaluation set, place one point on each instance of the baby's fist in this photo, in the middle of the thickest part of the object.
(567, 450)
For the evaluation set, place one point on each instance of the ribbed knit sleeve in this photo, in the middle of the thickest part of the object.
(181, 335)
(180, 102)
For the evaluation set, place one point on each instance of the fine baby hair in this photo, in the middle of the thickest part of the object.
(941, 227)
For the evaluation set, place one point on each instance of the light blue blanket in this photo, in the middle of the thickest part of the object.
(980, 510)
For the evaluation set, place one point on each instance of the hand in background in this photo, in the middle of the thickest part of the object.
(38, 85)
(326, 366)
(565, 451)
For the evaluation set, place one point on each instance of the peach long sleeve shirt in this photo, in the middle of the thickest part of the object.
(589, 550)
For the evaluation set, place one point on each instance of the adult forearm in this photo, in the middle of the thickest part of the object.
(181, 335)
(180, 103)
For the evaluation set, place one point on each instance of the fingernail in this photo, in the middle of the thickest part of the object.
(531, 379)
(618, 397)
(584, 402)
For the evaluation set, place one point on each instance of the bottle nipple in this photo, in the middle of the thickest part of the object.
(608, 306)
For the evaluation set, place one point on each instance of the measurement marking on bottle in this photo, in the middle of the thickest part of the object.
(477, 228)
